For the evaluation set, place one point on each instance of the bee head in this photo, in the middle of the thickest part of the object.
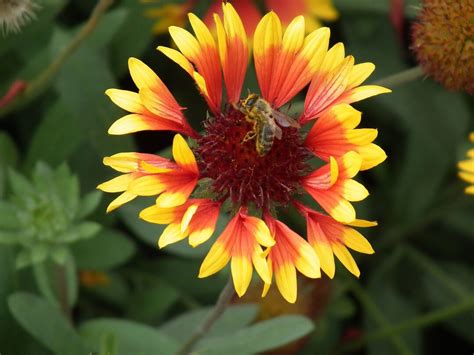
(249, 100)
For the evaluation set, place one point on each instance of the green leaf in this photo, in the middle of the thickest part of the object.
(234, 318)
(54, 131)
(19, 184)
(84, 230)
(81, 84)
(7, 237)
(45, 322)
(89, 203)
(52, 279)
(108, 345)
(108, 249)
(151, 300)
(431, 145)
(132, 338)
(263, 336)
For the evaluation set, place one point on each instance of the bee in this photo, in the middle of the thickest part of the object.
(263, 116)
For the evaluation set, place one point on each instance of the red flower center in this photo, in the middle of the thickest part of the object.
(239, 172)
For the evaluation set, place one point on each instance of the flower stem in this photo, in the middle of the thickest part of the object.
(400, 78)
(417, 322)
(61, 281)
(222, 302)
(377, 315)
(41, 82)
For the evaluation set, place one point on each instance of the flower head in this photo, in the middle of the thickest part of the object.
(251, 157)
(466, 168)
(15, 14)
(443, 44)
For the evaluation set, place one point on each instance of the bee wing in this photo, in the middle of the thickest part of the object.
(284, 120)
(277, 130)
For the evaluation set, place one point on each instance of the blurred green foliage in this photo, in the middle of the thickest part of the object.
(149, 301)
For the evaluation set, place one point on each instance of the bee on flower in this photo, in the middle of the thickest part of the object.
(255, 180)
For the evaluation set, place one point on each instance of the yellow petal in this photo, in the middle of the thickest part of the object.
(200, 236)
(307, 261)
(285, 277)
(364, 92)
(241, 269)
(324, 251)
(188, 215)
(215, 260)
(294, 35)
(119, 201)
(147, 186)
(183, 155)
(362, 223)
(346, 258)
(123, 162)
(259, 230)
(362, 136)
(130, 124)
(356, 241)
(127, 100)
(159, 215)
(354, 191)
(142, 75)
(178, 58)
(170, 235)
(201, 31)
(186, 42)
(266, 286)
(347, 115)
(372, 155)
(359, 73)
(469, 190)
(343, 212)
(351, 161)
(334, 58)
(261, 265)
(117, 184)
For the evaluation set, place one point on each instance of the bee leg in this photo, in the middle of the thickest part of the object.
(249, 136)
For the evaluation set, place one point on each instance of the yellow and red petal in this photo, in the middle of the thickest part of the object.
(290, 252)
(177, 188)
(303, 66)
(328, 85)
(202, 52)
(329, 237)
(324, 177)
(334, 198)
(203, 222)
(233, 50)
(133, 162)
(266, 48)
(153, 108)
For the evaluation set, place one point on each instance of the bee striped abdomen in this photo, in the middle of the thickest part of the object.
(264, 141)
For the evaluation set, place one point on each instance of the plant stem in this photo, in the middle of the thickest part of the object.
(222, 302)
(400, 78)
(433, 269)
(61, 284)
(418, 322)
(41, 82)
(377, 315)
